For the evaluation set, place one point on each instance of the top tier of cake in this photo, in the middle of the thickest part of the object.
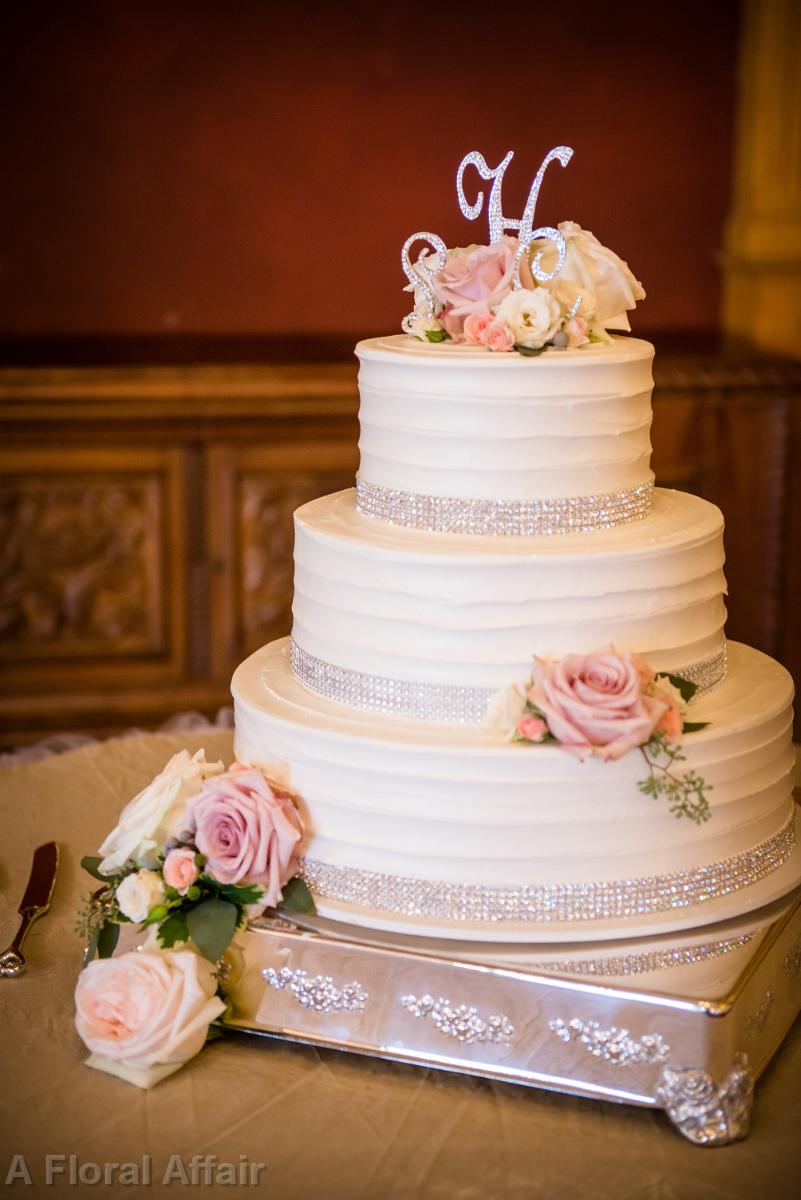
(569, 428)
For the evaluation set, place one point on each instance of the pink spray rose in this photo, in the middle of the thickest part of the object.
(577, 330)
(498, 336)
(476, 280)
(248, 832)
(596, 704)
(180, 870)
(532, 728)
(147, 1007)
(475, 326)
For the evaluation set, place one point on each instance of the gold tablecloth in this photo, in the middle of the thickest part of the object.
(326, 1125)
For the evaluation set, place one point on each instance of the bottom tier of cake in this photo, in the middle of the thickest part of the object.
(450, 831)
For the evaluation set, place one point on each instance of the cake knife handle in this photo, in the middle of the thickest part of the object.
(12, 961)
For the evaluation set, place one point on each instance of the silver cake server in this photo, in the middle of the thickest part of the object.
(35, 903)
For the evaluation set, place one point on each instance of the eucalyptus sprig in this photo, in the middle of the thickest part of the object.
(685, 793)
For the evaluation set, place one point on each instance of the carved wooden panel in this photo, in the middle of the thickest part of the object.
(86, 572)
(256, 492)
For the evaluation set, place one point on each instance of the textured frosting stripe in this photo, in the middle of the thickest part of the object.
(453, 704)
(527, 903)
(504, 518)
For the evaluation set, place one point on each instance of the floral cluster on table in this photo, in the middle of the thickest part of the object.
(605, 705)
(539, 288)
(193, 857)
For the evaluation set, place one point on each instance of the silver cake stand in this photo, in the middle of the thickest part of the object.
(685, 1023)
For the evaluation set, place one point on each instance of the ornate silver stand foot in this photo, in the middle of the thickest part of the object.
(706, 1114)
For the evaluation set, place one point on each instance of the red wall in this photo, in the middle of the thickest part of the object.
(250, 168)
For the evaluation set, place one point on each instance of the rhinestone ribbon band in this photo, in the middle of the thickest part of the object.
(504, 518)
(479, 903)
(443, 702)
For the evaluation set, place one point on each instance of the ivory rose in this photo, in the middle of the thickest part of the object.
(505, 709)
(139, 893)
(476, 279)
(603, 280)
(180, 869)
(157, 813)
(147, 1006)
(532, 316)
(596, 704)
(248, 832)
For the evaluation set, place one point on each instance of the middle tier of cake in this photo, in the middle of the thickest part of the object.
(426, 625)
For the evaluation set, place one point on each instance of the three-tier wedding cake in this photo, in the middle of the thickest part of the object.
(507, 708)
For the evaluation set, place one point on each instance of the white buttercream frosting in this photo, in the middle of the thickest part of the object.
(468, 423)
(462, 806)
(473, 610)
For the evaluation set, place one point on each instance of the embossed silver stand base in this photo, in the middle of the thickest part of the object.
(685, 1024)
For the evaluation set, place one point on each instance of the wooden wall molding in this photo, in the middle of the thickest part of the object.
(148, 519)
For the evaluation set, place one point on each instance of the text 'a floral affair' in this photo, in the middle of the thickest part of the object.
(544, 288)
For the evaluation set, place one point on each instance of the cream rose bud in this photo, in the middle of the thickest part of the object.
(504, 710)
(139, 893)
(423, 325)
(147, 1007)
(532, 316)
(157, 813)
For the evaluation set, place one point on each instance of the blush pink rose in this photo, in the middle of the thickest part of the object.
(453, 325)
(248, 832)
(532, 728)
(475, 326)
(147, 1007)
(498, 336)
(180, 870)
(596, 704)
(478, 279)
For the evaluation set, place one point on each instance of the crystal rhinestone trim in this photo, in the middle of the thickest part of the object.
(317, 991)
(528, 903)
(504, 518)
(460, 1021)
(616, 966)
(448, 703)
(613, 1045)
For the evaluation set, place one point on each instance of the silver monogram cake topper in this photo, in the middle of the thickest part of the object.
(429, 262)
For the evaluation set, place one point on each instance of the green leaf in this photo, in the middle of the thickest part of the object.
(173, 930)
(694, 726)
(685, 686)
(107, 939)
(436, 335)
(91, 864)
(297, 897)
(247, 894)
(91, 949)
(529, 351)
(211, 926)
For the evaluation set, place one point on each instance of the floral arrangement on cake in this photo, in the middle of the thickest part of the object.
(604, 705)
(193, 856)
(545, 287)
(476, 303)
